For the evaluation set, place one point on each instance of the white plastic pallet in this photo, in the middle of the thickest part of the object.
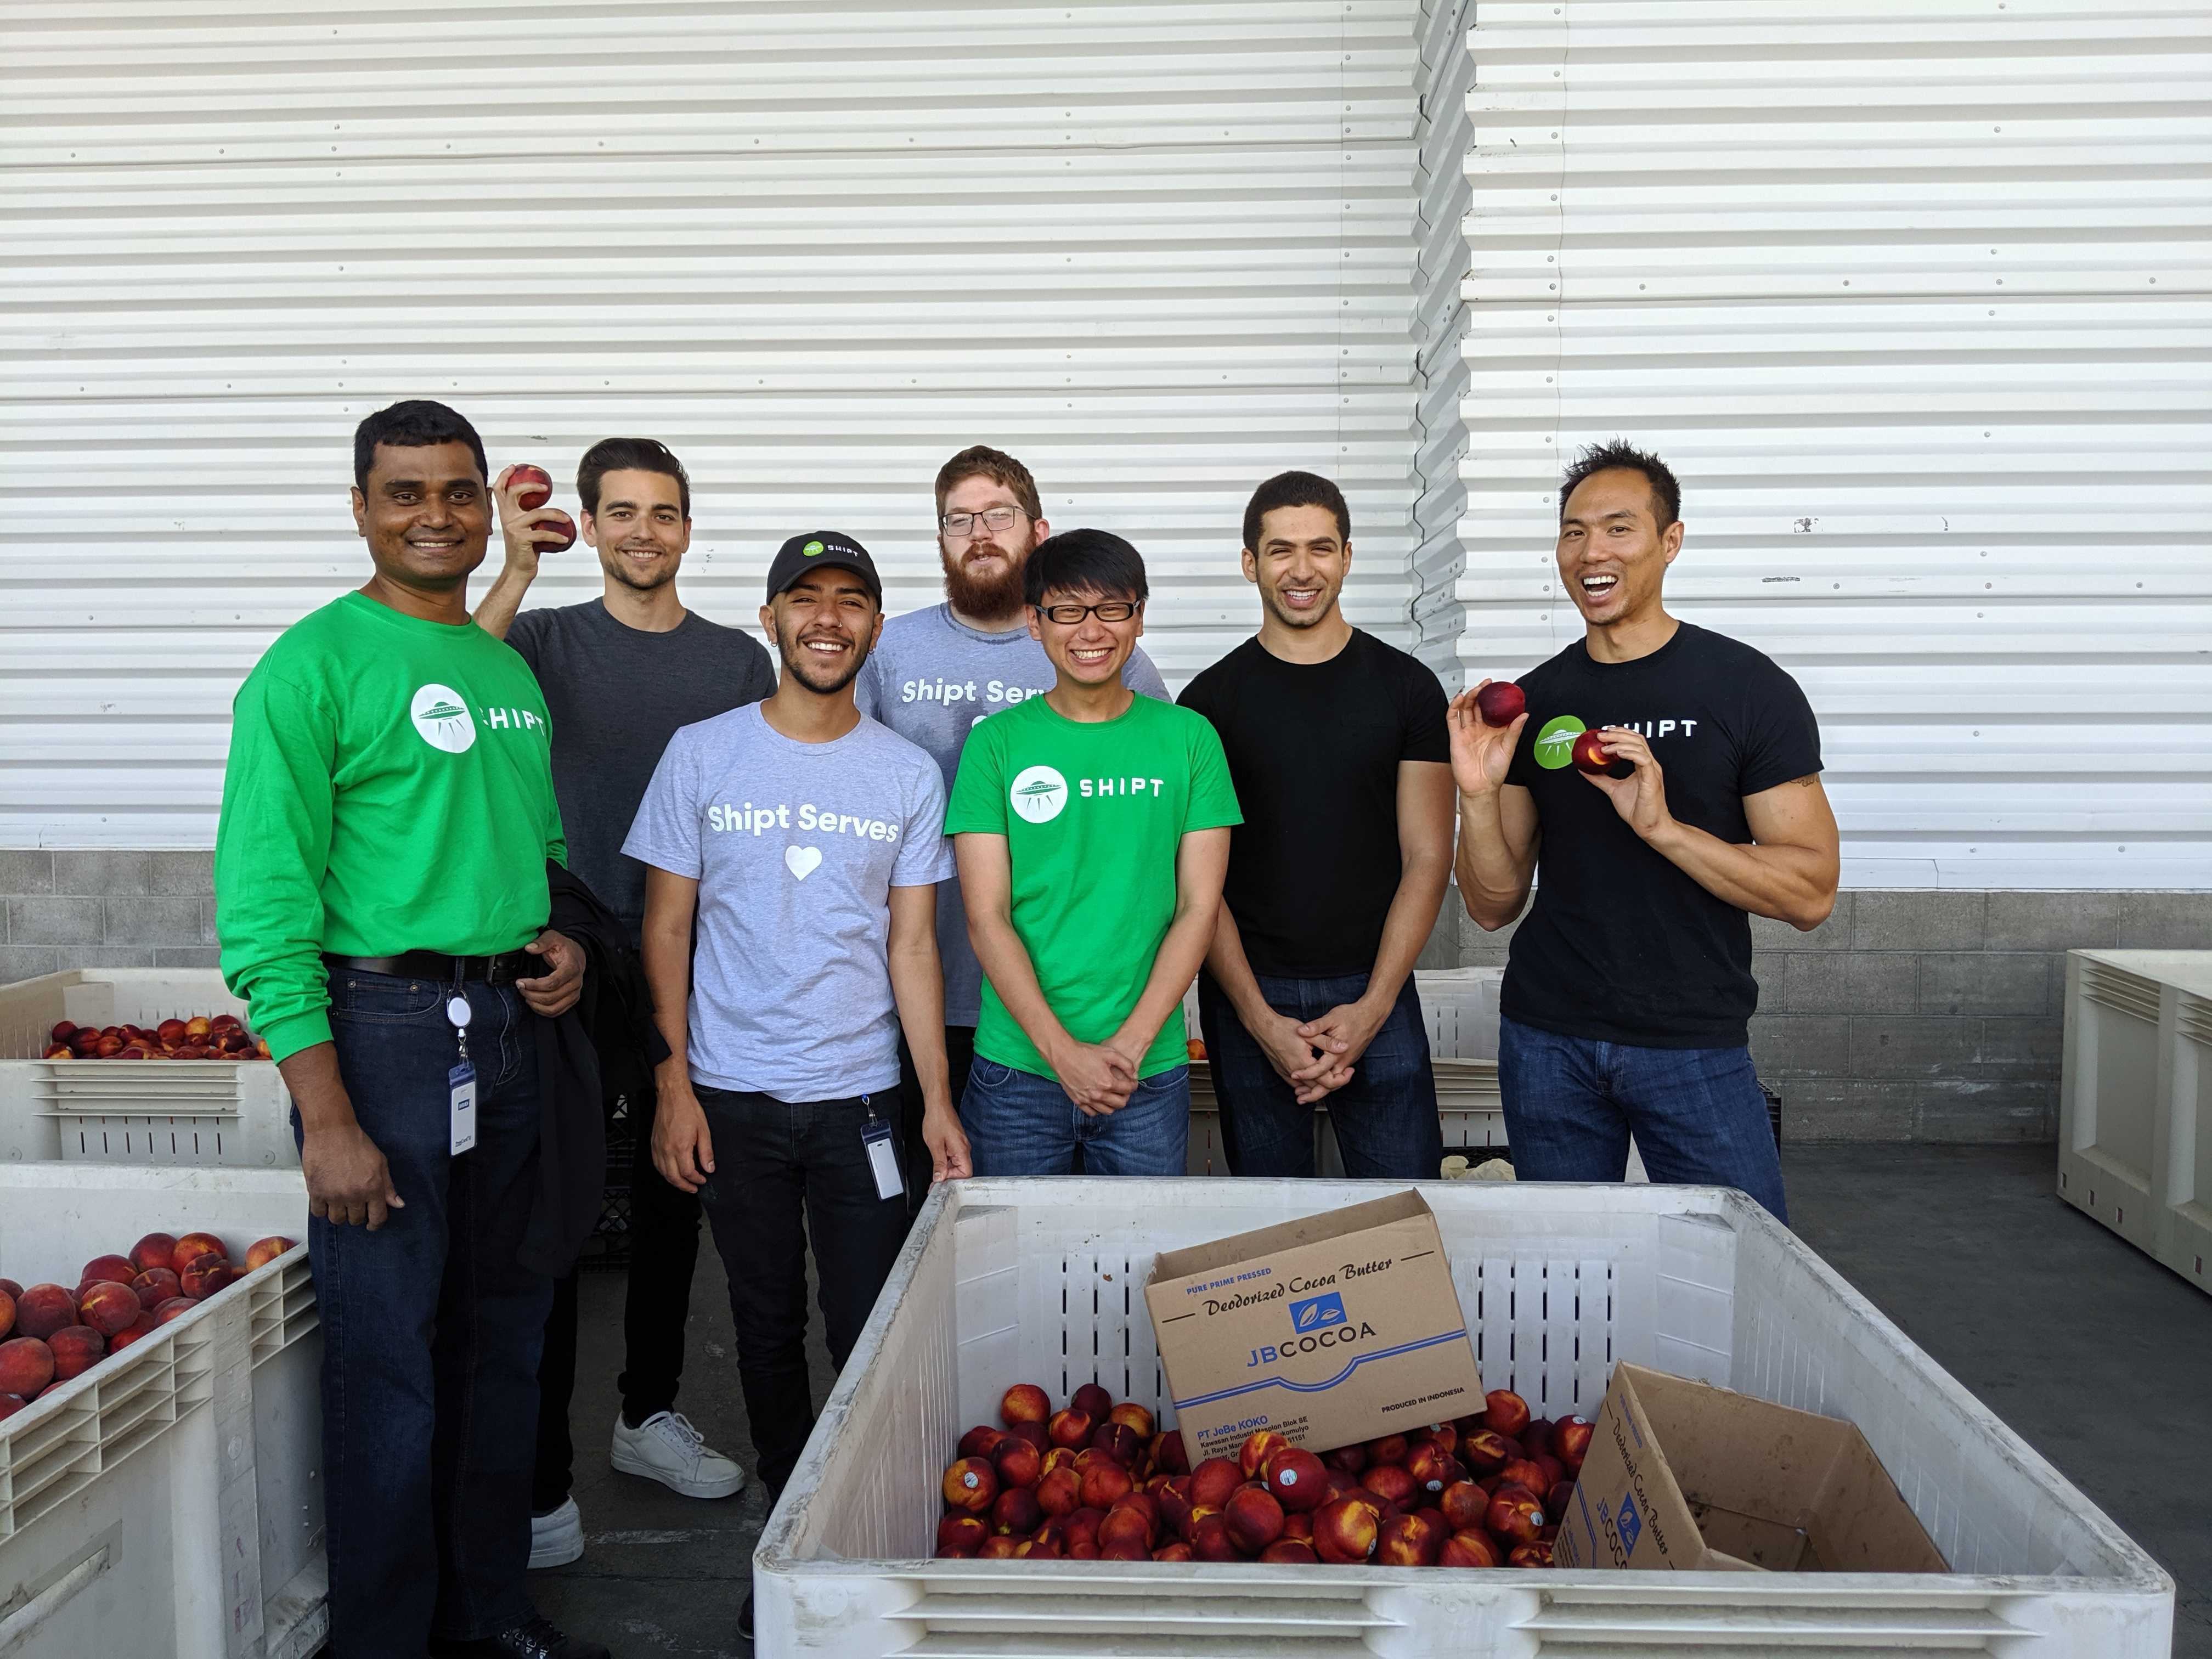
(2135, 1114)
(232, 1114)
(166, 1504)
(1041, 1280)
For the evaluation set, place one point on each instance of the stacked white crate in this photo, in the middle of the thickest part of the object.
(1041, 1280)
(2134, 1115)
(168, 1505)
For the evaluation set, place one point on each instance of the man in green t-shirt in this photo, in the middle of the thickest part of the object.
(1092, 828)
(382, 896)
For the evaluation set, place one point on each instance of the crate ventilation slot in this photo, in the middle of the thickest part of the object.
(2194, 1017)
(2122, 993)
(1599, 1625)
(986, 1617)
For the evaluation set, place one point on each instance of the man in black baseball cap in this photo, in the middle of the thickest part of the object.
(822, 550)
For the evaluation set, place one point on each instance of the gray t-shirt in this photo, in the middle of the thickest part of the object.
(616, 695)
(795, 846)
(931, 678)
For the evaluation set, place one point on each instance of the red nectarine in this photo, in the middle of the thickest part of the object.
(76, 1349)
(1092, 1401)
(1298, 1480)
(27, 1365)
(1345, 1530)
(107, 1307)
(1501, 702)
(1407, 1540)
(1468, 1549)
(1290, 1553)
(1211, 1482)
(971, 1484)
(1025, 1402)
(1254, 1520)
(1259, 1446)
(42, 1310)
(194, 1245)
(1504, 1412)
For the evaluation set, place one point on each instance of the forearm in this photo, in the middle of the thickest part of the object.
(668, 974)
(318, 1092)
(918, 989)
(1791, 884)
(1493, 880)
(1007, 964)
(1182, 950)
(496, 614)
(1406, 928)
(1232, 970)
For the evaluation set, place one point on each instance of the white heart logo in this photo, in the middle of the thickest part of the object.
(802, 861)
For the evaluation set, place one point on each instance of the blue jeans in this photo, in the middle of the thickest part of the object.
(784, 1170)
(1021, 1124)
(431, 1326)
(1385, 1118)
(1698, 1115)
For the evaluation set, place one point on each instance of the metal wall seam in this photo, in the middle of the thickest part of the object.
(1914, 296)
(1160, 250)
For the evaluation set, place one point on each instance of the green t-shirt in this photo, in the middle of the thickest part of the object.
(1092, 814)
(390, 788)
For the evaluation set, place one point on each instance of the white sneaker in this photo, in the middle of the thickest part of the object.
(556, 1539)
(667, 1448)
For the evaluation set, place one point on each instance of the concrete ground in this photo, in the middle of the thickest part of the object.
(2095, 1354)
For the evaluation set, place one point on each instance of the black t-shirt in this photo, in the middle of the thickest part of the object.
(1314, 750)
(1621, 945)
(616, 695)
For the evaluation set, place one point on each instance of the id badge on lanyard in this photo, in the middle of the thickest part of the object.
(461, 1081)
(883, 1154)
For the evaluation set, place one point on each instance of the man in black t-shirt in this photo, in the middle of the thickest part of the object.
(621, 673)
(1628, 992)
(1337, 747)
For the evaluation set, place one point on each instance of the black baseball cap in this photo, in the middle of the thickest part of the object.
(821, 550)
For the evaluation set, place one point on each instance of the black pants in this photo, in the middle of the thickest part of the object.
(959, 1054)
(664, 1252)
(784, 1170)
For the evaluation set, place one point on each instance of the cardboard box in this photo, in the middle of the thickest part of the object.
(1686, 1476)
(1339, 1327)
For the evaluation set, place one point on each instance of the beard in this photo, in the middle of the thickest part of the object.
(1290, 618)
(988, 595)
(612, 563)
(810, 672)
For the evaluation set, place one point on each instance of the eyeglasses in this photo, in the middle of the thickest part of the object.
(1068, 616)
(992, 517)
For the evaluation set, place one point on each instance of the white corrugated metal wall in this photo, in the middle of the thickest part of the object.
(1913, 294)
(1158, 250)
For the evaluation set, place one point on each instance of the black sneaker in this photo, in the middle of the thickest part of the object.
(536, 1638)
(745, 1619)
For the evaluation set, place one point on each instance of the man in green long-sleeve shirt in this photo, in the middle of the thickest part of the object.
(381, 897)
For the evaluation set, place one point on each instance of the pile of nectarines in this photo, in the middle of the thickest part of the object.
(222, 1037)
(49, 1334)
(1094, 1481)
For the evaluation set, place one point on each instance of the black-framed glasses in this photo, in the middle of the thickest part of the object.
(992, 519)
(1068, 615)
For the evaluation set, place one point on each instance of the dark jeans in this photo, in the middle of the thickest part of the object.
(664, 1252)
(431, 1327)
(1020, 1123)
(959, 1054)
(784, 1170)
(1698, 1115)
(1385, 1118)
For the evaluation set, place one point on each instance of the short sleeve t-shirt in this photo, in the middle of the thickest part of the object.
(1093, 813)
(1312, 871)
(795, 846)
(1621, 945)
(932, 679)
(616, 695)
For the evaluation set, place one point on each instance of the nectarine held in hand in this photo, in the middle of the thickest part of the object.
(1589, 756)
(1501, 702)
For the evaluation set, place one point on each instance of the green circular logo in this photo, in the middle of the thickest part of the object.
(1555, 743)
(810, 550)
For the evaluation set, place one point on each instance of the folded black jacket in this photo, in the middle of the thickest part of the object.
(616, 1007)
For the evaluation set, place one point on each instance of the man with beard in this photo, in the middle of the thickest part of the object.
(801, 844)
(621, 674)
(1337, 745)
(940, 671)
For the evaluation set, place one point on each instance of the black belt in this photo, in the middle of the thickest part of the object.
(441, 970)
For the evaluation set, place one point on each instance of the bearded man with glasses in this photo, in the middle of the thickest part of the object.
(1091, 828)
(936, 672)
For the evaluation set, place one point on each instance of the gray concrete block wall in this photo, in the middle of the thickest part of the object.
(1929, 1016)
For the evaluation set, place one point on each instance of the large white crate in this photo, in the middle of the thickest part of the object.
(2135, 1104)
(1041, 1280)
(231, 1114)
(168, 1504)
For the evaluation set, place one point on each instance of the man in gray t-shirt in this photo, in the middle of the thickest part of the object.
(939, 671)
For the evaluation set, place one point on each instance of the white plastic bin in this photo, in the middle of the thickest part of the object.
(1460, 1007)
(168, 1504)
(2135, 1112)
(1041, 1280)
(234, 1114)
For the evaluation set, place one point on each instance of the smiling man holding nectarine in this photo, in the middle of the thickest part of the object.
(1664, 782)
